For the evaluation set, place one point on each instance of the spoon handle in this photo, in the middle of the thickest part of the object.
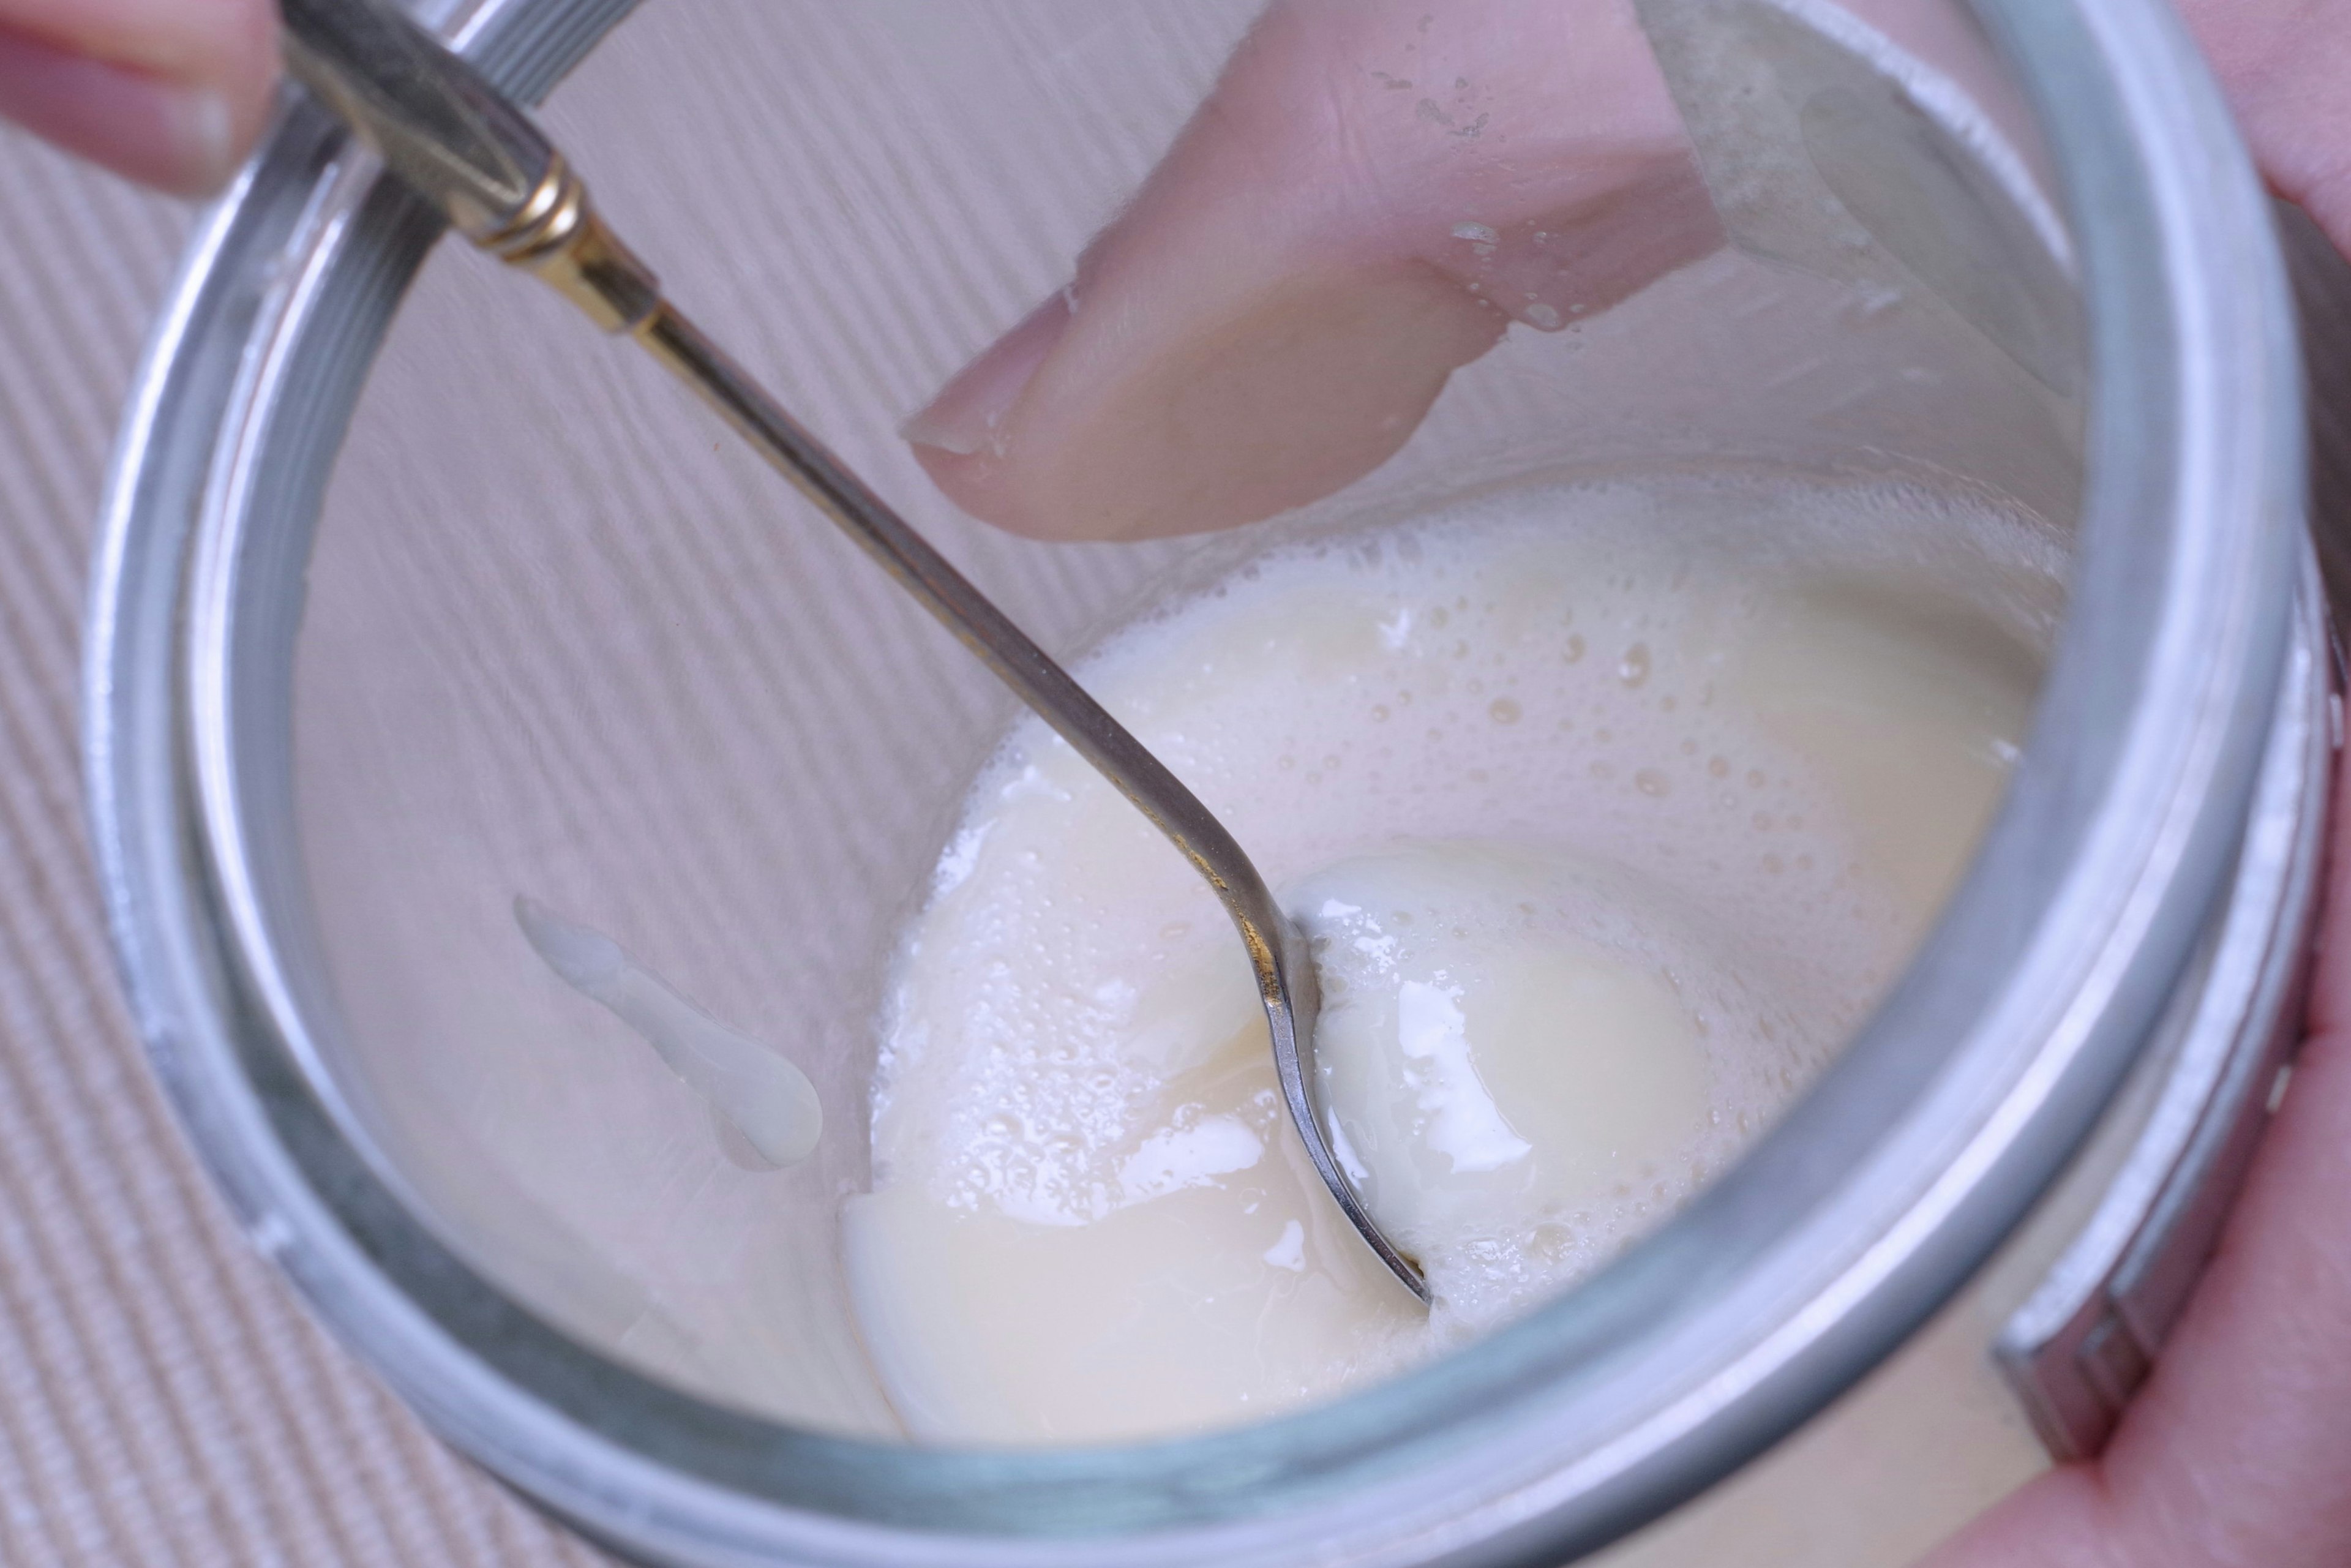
(1285, 971)
(460, 143)
(451, 136)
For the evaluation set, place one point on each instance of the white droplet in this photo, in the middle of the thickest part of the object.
(766, 1099)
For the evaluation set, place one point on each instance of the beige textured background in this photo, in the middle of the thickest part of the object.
(162, 1399)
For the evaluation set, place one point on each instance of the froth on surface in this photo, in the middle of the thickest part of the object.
(1692, 760)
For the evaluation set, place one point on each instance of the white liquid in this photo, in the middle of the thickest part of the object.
(764, 1110)
(1611, 815)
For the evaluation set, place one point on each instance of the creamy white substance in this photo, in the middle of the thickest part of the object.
(763, 1109)
(1611, 810)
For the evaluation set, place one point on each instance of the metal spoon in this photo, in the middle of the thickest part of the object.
(465, 148)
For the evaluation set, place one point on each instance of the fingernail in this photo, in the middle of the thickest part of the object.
(970, 414)
(173, 135)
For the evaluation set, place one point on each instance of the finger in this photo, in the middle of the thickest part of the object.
(2237, 1452)
(168, 92)
(2284, 63)
(1375, 190)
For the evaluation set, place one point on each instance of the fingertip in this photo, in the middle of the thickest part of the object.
(1300, 388)
(182, 128)
(973, 410)
(973, 482)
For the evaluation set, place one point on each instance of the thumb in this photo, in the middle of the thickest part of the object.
(168, 92)
(1375, 190)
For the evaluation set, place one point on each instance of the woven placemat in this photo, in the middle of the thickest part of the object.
(162, 1399)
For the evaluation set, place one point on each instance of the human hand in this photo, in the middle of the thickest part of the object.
(171, 93)
(2237, 1453)
(1373, 193)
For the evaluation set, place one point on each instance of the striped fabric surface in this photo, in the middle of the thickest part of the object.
(163, 1400)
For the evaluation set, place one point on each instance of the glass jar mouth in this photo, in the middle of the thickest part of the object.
(1875, 1198)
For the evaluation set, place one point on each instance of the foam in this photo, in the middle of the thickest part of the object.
(1638, 734)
